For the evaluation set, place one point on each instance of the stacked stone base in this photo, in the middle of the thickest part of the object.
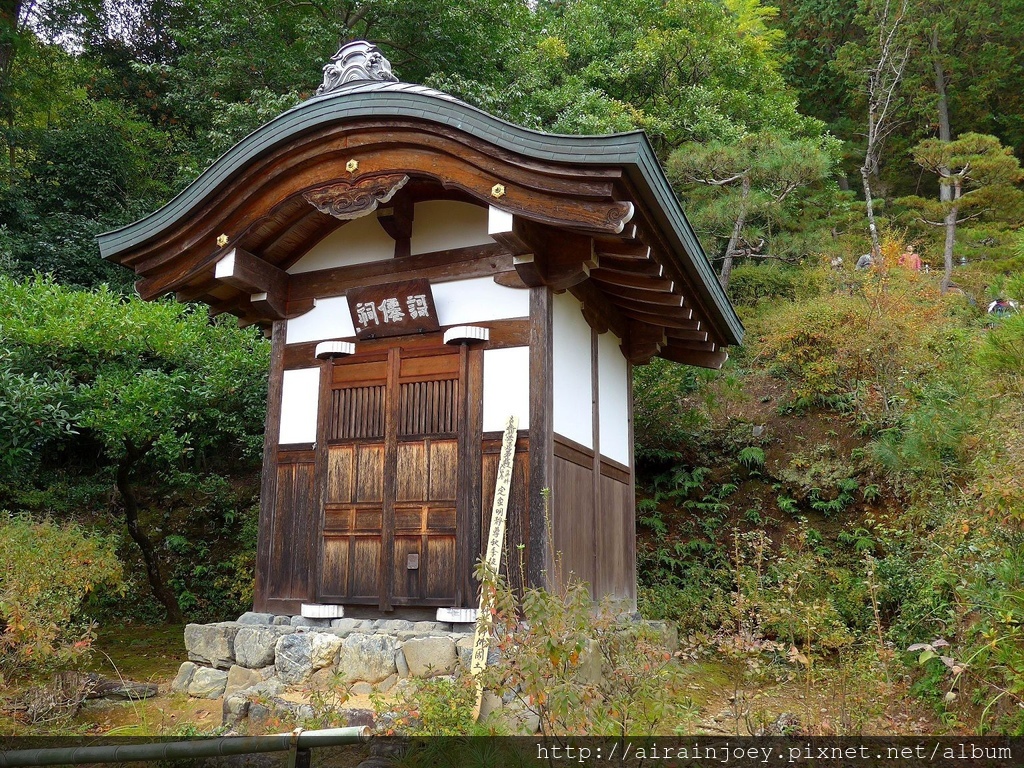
(253, 661)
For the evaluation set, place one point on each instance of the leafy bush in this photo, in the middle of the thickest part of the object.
(753, 284)
(578, 671)
(46, 571)
(151, 397)
(869, 348)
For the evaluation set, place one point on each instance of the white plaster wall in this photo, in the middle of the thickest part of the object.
(612, 399)
(300, 395)
(328, 319)
(506, 387)
(359, 241)
(438, 225)
(573, 402)
(477, 300)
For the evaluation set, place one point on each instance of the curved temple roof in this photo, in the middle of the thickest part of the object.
(611, 188)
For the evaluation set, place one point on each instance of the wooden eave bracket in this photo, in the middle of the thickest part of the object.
(265, 284)
(643, 341)
(704, 359)
(543, 255)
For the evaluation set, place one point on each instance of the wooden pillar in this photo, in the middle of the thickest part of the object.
(540, 568)
(268, 481)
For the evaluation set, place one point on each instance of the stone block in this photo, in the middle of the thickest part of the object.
(235, 709)
(240, 678)
(303, 621)
(323, 649)
(429, 656)
(369, 658)
(349, 625)
(272, 686)
(249, 617)
(254, 645)
(282, 620)
(464, 650)
(401, 665)
(208, 683)
(361, 689)
(431, 626)
(293, 658)
(184, 677)
(393, 625)
(212, 644)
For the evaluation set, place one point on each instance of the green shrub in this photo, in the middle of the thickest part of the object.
(46, 571)
(753, 284)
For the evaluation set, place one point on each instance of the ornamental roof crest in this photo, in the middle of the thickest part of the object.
(355, 61)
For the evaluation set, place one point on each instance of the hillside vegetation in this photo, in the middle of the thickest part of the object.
(841, 505)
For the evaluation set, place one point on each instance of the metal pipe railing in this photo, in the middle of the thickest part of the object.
(297, 741)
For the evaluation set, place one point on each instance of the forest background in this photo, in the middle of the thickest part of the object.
(849, 487)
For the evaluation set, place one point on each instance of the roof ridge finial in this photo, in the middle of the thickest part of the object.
(354, 61)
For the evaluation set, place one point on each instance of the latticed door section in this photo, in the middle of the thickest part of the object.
(390, 534)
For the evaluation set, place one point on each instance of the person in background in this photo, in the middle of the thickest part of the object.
(910, 259)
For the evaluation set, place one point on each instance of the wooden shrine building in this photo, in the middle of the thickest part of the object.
(427, 270)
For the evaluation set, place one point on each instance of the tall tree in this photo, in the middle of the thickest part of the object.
(752, 177)
(883, 63)
(144, 392)
(978, 173)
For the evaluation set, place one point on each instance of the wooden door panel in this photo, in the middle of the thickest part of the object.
(440, 557)
(335, 566)
(365, 569)
(357, 412)
(370, 472)
(444, 476)
(396, 419)
(428, 408)
(406, 579)
(412, 472)
(340, 474)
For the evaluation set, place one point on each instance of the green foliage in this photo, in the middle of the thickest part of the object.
(754, 284)
(135, 373)
(155, 393)
(751, 457)
(434, 706)
(870, 347)
(577, 671)
(46, 571)
(670, 402)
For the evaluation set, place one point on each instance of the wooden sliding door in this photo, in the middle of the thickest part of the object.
(392, 478)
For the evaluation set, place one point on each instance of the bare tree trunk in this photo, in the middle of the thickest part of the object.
(942, 105)
(10, 12)
(947, 253)
(884, 78)
(945, 190)
(876, 246)
(131, 513)
(734, 239)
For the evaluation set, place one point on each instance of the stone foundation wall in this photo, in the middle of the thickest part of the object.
(261, 655)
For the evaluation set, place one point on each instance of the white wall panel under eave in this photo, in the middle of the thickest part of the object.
(439, 225)
(477, 300)
(357, 242)
(328, 319)
(612, 399)
(573, 393)
(300, 395)
(506, 387)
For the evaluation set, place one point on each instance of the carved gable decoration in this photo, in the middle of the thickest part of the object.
(355, 61)
(352, 199)
(395, 309)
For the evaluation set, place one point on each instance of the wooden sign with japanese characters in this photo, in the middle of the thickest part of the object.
(395, 309)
